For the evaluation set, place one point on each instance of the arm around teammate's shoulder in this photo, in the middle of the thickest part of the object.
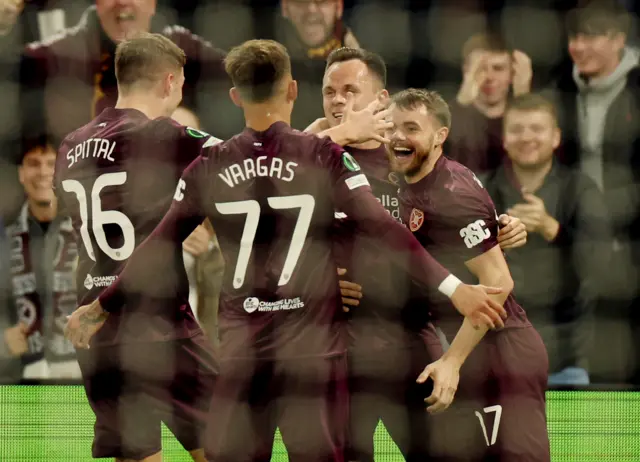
(353, 196)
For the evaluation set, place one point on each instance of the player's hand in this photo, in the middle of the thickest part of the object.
(513, 232)
(445, 373)
(533, 214)
(317, 126)
(83, 323)
(350, 291)
(369, 124)
(474, 303)
(522, 73)
(16, 339)
(474, 76)
(198, 241)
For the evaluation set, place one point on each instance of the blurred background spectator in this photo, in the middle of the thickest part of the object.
(43, 257)
(598, 98)
(492, 73)
(69, 79)
(558, 275)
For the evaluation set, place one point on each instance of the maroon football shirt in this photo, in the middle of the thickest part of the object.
(115, 177)
(271, 198)
(453, 217)
(387, 315)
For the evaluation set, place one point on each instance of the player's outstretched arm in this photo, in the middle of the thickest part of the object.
(491, 269)
(474, 302)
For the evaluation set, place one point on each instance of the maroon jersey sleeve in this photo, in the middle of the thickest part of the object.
(154, 254)
(353, 197)
(471, 226)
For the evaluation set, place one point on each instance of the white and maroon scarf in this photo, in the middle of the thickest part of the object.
(45, 330)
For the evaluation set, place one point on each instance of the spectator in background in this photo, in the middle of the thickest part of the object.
(9, 12)
(13, 340)
(43, 255)
(311, 30)
(558, 274)
(10, 47)
(599, 111)
(203, 259)
(492, 72)
(70, 79)
(318, 27)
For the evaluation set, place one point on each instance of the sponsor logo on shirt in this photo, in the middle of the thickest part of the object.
(252, 304)
(98, 281)
(474, 233)
(391, 205)
(416, 220)
(349, 162)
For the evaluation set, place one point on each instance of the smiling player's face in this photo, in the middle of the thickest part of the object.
(412, 139)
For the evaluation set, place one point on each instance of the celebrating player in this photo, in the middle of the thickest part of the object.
(503, 381)
(115, 177)
(271, 193)
(387, 333)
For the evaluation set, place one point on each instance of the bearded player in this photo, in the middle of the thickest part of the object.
(389, 338)
(499, 411)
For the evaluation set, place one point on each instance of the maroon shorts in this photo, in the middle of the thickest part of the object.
(133, 388)
(306, 399)
(382, 387)
(499, 410)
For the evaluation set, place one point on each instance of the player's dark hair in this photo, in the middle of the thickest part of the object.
(145, 57)
(598, 17)
(486, 41)
(373, 61)
(256, 67)
(435, 104)
(531, 102)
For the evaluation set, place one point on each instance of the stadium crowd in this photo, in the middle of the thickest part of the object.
(545, 106)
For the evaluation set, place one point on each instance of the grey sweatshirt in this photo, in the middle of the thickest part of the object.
(593, 102)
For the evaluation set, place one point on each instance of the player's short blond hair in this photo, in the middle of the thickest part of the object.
(432, 101)
(531, 102)
(257, 67)
(145, 57)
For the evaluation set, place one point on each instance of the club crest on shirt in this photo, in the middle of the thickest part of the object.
(416, 220)
(393, 178)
